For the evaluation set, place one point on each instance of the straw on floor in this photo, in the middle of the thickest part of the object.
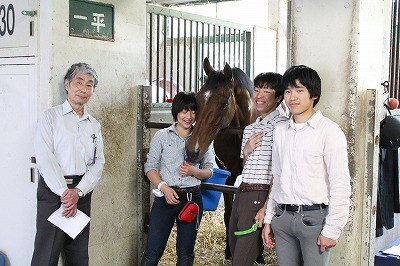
(210, 244)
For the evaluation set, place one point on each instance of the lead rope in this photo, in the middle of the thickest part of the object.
(220, 162)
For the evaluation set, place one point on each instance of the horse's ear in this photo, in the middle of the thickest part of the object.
(228, 72)
(207, 67)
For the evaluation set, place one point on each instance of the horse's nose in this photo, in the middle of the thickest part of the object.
(192, 156)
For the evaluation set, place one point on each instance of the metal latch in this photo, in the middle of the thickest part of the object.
(33, 169)
(30, 13)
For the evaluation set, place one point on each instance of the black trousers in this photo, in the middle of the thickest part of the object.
(388, 190)
(50, 241)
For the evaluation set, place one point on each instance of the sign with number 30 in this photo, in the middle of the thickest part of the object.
(7, 19)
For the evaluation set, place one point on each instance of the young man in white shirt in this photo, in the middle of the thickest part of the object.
(309, 201)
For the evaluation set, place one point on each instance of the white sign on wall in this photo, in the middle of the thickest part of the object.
(15, 28)
(17, 121)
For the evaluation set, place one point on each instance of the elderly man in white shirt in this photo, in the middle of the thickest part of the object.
(309, 201)
(69, 155)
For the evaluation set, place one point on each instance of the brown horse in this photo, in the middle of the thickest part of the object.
(224, 100)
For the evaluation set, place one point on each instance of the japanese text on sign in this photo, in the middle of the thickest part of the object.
(91, 20)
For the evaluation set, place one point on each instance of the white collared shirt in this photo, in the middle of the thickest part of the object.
(310, 166)
(65, 145)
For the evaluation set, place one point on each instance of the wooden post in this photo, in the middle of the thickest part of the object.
(143, 185)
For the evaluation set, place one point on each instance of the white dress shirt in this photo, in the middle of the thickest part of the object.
(310, 166)
(65, 144)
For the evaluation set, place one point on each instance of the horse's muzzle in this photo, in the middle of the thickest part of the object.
(193, 156)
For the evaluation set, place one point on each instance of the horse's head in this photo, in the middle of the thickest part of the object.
(215, 110)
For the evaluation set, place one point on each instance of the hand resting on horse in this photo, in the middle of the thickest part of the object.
(187, 169)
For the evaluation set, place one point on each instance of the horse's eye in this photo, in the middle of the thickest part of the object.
(224, 105)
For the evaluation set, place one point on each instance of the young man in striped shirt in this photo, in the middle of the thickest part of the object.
(250, 198)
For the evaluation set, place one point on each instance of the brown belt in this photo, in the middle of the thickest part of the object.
(253, 187)
(186, 189)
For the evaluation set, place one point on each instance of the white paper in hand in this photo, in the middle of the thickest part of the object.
(72, 225)
(393, 250)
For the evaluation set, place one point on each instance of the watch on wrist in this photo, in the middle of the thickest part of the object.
(80, 193)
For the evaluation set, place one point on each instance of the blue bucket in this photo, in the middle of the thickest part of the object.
(2, 259)
(211, 197)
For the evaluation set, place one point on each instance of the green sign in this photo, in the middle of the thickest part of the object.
(91, 20)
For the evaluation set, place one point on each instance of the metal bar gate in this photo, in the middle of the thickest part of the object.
(178, 42)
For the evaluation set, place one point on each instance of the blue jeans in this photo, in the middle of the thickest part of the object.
(162, 219)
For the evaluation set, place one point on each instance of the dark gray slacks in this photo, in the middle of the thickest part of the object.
(246, 248)
(50, 241)
(296, 236)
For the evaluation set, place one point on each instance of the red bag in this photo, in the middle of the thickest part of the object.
(189, 212)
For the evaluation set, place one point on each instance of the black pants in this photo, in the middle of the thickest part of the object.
(50, 241)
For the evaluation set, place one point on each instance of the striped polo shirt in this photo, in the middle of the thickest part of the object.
(258, 167)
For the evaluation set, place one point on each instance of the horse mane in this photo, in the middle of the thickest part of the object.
(243, 80)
